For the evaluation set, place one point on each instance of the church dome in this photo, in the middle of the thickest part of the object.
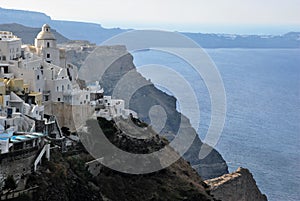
(45, 34)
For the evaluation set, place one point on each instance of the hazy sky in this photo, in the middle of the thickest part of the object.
(181, 15)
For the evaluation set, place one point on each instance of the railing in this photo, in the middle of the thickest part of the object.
(46, 149)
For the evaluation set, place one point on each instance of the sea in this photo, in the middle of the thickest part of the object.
(262, 125)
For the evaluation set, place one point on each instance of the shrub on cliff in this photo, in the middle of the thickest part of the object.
(10, 183)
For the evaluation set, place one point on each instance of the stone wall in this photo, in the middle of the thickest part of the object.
(237, 186)
(16, 165)
(70, 116)
(94, 167)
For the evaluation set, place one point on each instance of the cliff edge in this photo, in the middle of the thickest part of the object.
(121, 65)
(237, 186)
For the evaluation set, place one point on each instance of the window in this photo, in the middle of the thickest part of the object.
(68, 86)
(38, 77)
(48, 55)
(57, 88)
(87, 97)
(48, 44)
(4, 58)
(62, 87)
(58, 99)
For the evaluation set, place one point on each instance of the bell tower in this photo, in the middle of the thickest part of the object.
(45, 39)
(45, 44)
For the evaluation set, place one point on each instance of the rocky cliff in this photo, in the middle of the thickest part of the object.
(66, 178)
(237, 186)
(120, 63)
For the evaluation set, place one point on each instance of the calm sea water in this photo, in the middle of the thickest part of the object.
(262, 129)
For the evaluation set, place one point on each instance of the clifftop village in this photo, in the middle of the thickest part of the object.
(39, 94)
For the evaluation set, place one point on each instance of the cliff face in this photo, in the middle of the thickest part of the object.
(237, 186)
(144, 98)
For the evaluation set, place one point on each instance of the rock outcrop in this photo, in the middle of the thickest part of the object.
(237, 186)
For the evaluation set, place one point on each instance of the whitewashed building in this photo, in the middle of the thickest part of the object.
(10, 46)
(45, 44)
(32, 77)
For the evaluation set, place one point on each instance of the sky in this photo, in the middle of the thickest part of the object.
(176, 15)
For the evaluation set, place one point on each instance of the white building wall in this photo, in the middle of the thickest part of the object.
(4, 146)
(107, 100)
(31, 63)
(33, 77)
(45, 43)
(119, 106)
(51, 55)
(37, 112)
(10, 46)
(50, 71)
(26, 109)
(6, 98)
(61, 87)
